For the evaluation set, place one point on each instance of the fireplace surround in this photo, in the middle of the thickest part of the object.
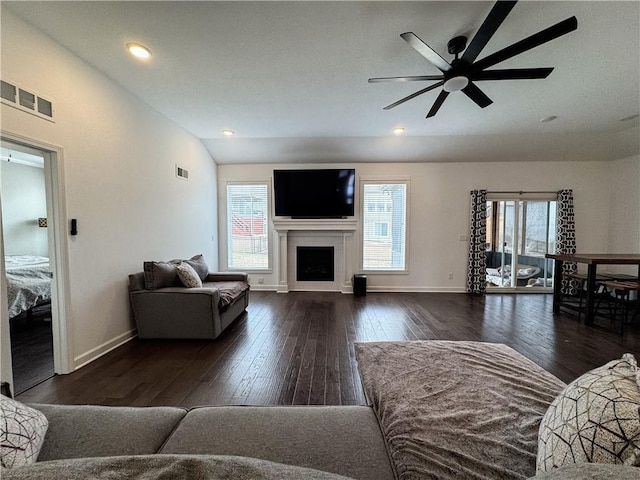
(336, 233)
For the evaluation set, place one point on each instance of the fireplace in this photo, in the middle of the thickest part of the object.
(314, 264)
(334, 233)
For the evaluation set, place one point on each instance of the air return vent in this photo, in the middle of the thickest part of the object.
(23, 99)
(182, 173)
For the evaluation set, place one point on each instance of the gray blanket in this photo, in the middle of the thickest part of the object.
(28, 282)
(161, 467)
(456, 409)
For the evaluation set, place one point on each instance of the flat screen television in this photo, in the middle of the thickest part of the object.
(325, 193)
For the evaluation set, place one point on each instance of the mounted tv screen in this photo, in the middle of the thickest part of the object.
(327, 193)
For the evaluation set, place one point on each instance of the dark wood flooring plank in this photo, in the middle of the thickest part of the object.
(298, 348)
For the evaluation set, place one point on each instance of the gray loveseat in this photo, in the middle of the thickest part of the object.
(164, 307)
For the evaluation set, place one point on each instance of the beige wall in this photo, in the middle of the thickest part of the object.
(119, 158)
(624, 207)
(439, 209)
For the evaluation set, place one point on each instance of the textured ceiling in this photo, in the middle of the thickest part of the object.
(290, 78)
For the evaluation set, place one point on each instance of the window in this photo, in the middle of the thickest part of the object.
(381, 229)
(247, 232)
(384, 226)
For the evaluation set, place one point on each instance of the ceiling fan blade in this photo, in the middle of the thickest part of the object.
(426, 51)
(535, 40)
(419, 78)
(414, 95)
(512, 74)
(493, 21)
(477, 95)
(438, 103)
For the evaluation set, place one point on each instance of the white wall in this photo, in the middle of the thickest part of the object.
(439, 209)
(23, 202)
(119, 159)
(624, 208)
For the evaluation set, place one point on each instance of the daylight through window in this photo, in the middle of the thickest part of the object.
(384, 207)
(247, 208)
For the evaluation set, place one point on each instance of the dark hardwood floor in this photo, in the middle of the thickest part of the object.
(31, 348)
(298, 349)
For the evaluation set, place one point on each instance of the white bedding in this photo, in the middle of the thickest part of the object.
(28, 282)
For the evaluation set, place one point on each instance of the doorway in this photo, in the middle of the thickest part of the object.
(520, 232)
(34, 245)
(27, 264)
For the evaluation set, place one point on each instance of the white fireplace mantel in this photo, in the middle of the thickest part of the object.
(342, 228)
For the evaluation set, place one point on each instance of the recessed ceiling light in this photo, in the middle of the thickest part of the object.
(398, 130)
(630, 117)
(550, 118)
(228, 133)
(138, 50)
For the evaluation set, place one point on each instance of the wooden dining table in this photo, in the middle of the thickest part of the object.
(592, 260)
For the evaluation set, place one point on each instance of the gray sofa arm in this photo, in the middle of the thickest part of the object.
(176, 312)
(227, 277)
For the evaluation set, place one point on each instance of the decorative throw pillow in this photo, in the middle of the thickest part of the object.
(160, 275)
(188, 276)
(596, 419)
(22, 431)
(199, 265)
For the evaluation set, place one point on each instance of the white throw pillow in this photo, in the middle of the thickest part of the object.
(188, 276)
(595, 419)
(22, 431)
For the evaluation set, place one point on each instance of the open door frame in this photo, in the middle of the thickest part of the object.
(58, 252)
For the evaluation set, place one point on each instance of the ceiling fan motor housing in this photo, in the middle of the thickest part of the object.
(456, 45)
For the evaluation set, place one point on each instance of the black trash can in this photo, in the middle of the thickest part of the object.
(360, 285)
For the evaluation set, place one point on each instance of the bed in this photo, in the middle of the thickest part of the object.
(28, 282)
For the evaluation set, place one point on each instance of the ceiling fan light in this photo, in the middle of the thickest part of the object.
(455, 84)
(398, 130)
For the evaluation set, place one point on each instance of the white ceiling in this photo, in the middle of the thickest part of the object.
(290, 78)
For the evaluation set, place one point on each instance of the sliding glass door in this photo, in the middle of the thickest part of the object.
(520, 233)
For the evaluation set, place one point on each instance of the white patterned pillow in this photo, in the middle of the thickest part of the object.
(596, 419)
(22, 431)
(188, 276)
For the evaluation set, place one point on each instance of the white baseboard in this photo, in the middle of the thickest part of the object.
(95, 353)
(379, 289)
(382, 289)
(264, 288)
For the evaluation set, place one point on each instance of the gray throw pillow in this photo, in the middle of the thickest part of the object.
(199, 265)
(160, 275)
(165, 274)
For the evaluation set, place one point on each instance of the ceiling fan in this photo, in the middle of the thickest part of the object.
(462, 73)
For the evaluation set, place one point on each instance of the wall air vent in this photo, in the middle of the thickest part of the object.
(23, 99)
(182, 173)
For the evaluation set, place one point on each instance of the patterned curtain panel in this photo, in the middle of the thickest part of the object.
(566, 239)
(477, 269)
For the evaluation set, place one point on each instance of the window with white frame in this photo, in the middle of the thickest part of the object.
(247, 220)
(384, 231)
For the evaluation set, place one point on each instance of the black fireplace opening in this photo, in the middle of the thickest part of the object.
(314, 264)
